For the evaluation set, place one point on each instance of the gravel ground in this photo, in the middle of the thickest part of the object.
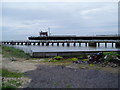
(63, 77)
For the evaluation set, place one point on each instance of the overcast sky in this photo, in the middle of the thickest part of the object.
(21, 20)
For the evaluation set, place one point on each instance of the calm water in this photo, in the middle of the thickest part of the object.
(55, 48)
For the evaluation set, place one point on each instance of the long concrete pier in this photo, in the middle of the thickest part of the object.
(90, 43)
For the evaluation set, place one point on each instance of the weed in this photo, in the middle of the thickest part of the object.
(6, 73)
(12, 84)
(84, 59)
(74, 59)
(91, 65)
(58, 57)
(69, 86)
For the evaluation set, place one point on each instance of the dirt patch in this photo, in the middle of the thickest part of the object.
(66, 77)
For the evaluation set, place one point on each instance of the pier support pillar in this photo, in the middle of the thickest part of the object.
(18, 43)
(38, 43)
(25, 43)
(62, 44)
(68, 44)
(117, 44)
(52, 44)
(34, 43)
(112, 44)
(47, 43)
(4, 42)
(86, 44)
(79, 44)
(21, 43)
(42, 43)
(92, 44)
(98, 44)
(57, 44)
(105, 44)
(74, 44)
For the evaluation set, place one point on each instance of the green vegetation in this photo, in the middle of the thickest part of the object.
(111, 53)
(74, 59)
(6, 73)
(12, 84)
(110, 56)
(13, 52)
(54, 60)
(69, 86)
(58, 57)
(91, 65)
(84, 59)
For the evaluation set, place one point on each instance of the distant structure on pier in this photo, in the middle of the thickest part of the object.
(43, 33)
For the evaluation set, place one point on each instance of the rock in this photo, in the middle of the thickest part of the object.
(12, 59)
(114, 65)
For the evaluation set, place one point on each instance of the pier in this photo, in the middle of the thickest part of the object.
(89, 41)
(68, 43)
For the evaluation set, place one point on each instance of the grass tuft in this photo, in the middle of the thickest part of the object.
(6, 73)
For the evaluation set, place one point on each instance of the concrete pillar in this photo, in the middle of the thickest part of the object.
(38, 43)
(62, 44)
(4, 42)
(47, 43)
(52, 44)
(10, 43)
(98, 44)
(21, 43)
(68, 44)
(105, 44)
(92, 44)
(25, 43)
(34, 43)
(117, 44)
(42, 43)
(86, 44)
(74, 44)
(112, 44)
(18, 43)
(58, 44)
(79, 44)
